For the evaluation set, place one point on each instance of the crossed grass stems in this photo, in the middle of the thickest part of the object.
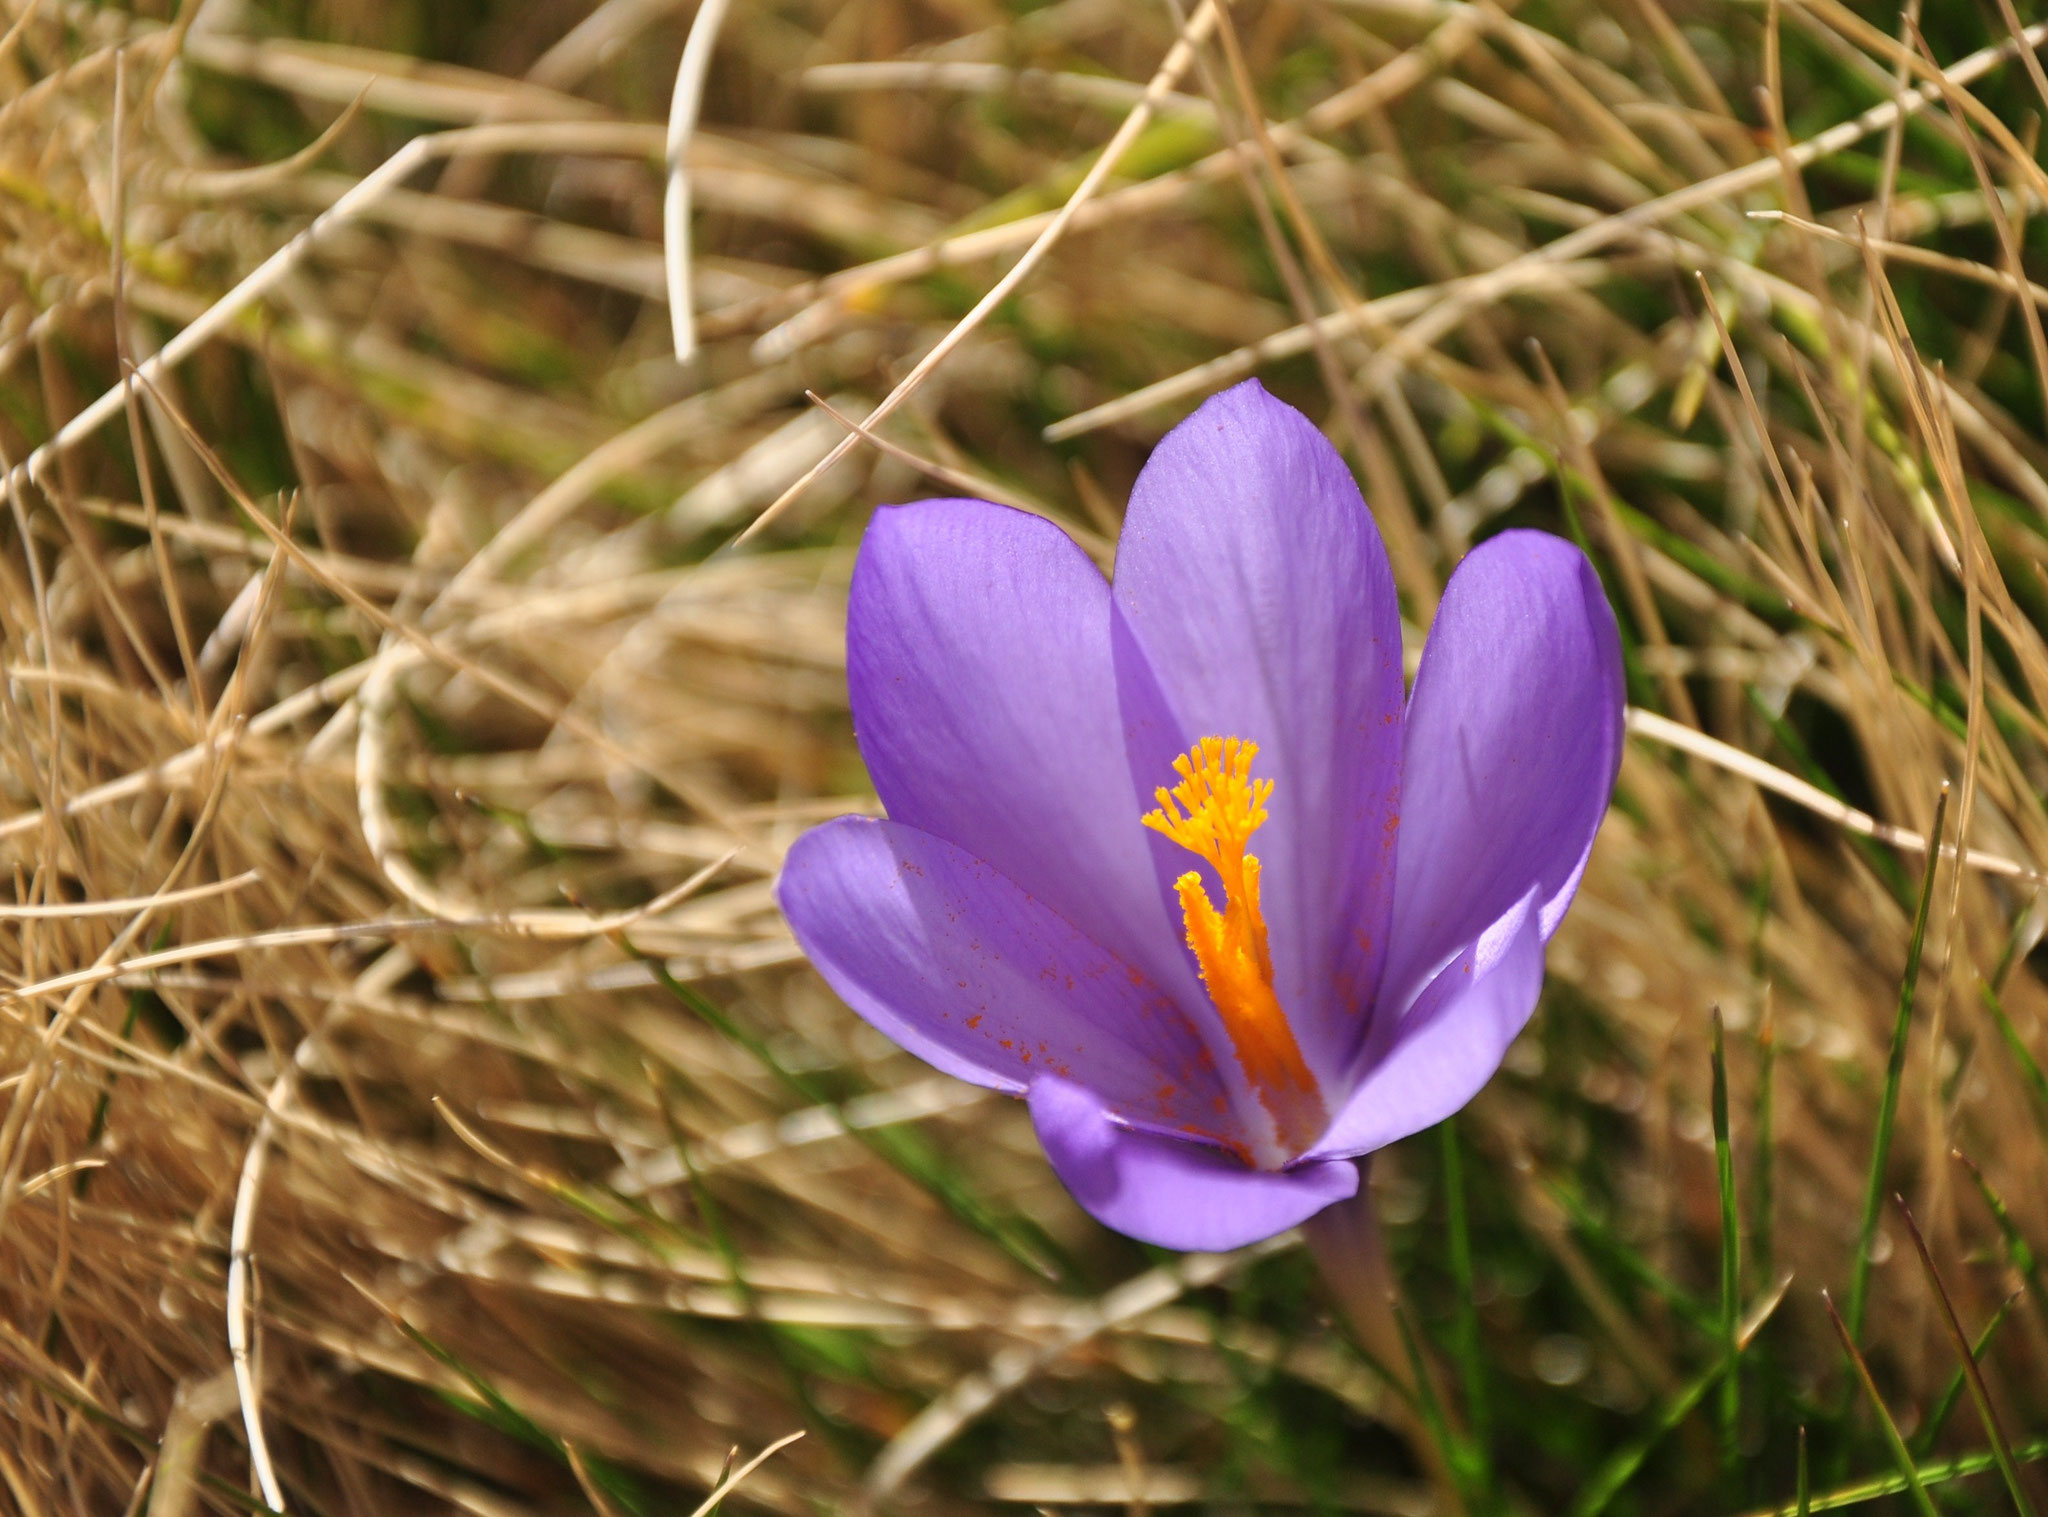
(635, 1230)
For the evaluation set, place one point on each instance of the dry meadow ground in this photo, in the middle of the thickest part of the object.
(410, 1097)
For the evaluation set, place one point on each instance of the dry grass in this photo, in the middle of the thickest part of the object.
(413, 1100)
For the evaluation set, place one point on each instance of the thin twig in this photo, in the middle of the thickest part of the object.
(1661, 729)
(725, 1486)
(126, 904)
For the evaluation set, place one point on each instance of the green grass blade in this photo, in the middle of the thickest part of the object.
(1986, 1413)
(1931, 1473)
(104, 1104)
(1457, 1453)
(1607, 1482)
(1952, 1393)
(728, 1252)
(2025, 934)
(1803, 1500)
(2018, 1252)
(1600, 1237)
(1895, 1069)
(2030, 1067)
(488, 1405)
(1731, 1257)
(1466, 1333)
(1900, 1454)
(1621, 1466)
(1763, 1177)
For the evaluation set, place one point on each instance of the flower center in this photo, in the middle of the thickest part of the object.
(1212, 813)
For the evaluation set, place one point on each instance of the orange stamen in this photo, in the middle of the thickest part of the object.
(1212, 813)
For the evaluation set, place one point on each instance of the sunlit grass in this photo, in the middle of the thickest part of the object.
(549, 1201)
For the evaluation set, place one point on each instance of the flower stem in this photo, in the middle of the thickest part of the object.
(1345, 1242)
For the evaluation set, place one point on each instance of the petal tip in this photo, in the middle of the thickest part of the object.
(1249, 405)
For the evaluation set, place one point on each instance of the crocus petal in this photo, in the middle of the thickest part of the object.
(1450, 1042)
(1171, 1193)
(1513, 739)
(1254, 581)
(985, 699)
(952, 961)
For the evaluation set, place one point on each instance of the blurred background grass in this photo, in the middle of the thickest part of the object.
(378, 673)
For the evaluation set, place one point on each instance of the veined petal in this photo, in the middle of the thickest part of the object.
(952, 961)
(985, 700)
(1450, 1042)
(1254, 581)
(1513, 741)
(1170, 1193)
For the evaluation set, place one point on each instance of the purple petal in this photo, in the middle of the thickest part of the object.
(952, 961)
(1450, 1042)
(1513, 740)
(1254, 581)
(1170, 1193)
(985, 700)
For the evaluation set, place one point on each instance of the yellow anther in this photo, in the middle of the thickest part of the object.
(1212, 813)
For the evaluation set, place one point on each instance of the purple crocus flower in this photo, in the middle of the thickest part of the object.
(1065, 903)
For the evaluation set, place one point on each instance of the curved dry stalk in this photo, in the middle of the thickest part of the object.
(552, 505)
(375, 701)
(239, 1312)
(675, 205)
(375, 704)
(210, 184)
